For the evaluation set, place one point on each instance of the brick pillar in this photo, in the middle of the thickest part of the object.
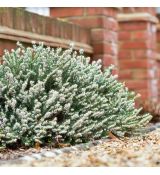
(103, 25)
(137, 50)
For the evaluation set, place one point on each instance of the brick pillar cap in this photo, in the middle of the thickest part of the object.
(137, 17)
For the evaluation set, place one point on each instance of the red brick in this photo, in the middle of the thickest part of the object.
(111, 24)
(142, 54)
(97, 34)
(143, 74)
(85, 36)
(135, 64)
(89, 22)
(124, 35)
(103, 35)
(107, 48)
(7, 44)
(134, 45)
(111, 36)
(108, 11)
(125, 74)
(60, 12)
(125, 54)
(129, 26)
(152, 44)
(137, 84)
(108, 60)
(141, 35)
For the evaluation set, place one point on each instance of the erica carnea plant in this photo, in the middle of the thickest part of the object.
(48, 93)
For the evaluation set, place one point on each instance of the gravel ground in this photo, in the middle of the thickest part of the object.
(135, 151)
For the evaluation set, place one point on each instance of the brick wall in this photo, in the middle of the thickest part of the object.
(103, 25)
(137, 42)
(19, 25)
(137, 50)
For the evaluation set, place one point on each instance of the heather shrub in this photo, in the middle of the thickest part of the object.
(50, 93)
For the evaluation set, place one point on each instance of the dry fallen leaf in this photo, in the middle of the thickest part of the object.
(113, 136)
(61, 145)
(37, 146)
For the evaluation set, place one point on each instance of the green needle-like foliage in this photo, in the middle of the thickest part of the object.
(48, 93)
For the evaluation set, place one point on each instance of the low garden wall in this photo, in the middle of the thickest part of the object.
(19, 25)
